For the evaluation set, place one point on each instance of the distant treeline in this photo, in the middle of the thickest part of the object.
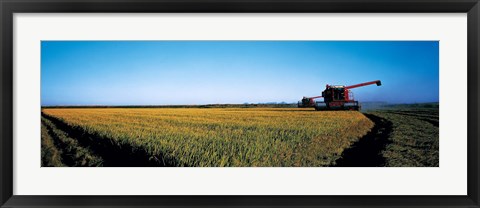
(365, 106)
(282, 105)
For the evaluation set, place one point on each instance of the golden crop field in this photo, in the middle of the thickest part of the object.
(210, 137)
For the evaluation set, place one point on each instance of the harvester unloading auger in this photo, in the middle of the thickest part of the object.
(335, 97)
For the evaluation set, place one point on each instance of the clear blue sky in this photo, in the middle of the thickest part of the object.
(210, 72)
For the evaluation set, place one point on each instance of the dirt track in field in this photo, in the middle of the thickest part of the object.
(112, 155)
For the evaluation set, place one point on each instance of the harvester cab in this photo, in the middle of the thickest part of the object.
(336, 97)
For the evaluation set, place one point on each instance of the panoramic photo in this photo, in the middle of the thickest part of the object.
(239, 104)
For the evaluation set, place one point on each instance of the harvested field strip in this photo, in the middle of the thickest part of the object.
(431, 115)
(66, 150)
(51, 156)
(432, 118)
(104, 149)
(434, 122)
(214, 137)
(414, 140)
(407, 113)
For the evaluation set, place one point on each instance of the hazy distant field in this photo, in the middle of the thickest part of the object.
(239, 137)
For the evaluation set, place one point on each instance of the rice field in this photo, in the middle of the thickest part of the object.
(196, 137)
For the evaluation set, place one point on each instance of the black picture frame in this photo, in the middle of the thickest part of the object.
(9, 7)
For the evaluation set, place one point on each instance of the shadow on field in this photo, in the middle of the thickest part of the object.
(367, 151)
(113, 154)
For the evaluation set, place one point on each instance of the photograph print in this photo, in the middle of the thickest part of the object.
(239, 103)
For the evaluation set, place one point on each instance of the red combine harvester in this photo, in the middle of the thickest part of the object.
(336, 97)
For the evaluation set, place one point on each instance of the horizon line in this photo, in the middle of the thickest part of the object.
(213, 104)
